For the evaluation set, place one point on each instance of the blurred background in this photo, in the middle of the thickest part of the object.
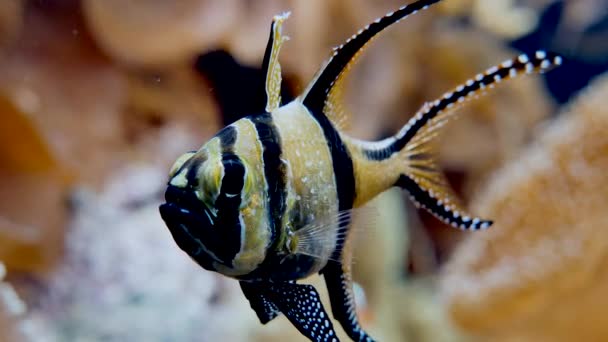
(98, 98)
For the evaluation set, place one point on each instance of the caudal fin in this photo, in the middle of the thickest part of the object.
(415, 142)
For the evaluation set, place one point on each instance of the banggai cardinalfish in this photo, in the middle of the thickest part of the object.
(268, 200)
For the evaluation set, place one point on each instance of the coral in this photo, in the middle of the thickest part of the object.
(538, 273)
(31, 181)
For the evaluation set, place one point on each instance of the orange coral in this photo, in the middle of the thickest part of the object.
(31, 182)
(538, 274)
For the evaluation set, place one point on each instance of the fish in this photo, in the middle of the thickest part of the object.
(270, 198)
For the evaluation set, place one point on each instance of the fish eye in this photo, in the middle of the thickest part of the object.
(238, 178)
(234, 175)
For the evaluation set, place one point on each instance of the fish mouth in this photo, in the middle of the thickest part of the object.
(190, 226)
(182, 207)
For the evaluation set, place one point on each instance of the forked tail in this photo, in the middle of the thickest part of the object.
(414, 144)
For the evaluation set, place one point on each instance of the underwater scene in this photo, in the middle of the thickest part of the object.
(304, 170)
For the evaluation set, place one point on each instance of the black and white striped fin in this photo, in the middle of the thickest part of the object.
(340, 289)
(415, 142)
(323, 94)
(434, 115)
(446, 212)
(271, 66)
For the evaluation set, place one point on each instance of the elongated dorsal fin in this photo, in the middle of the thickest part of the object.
(271, 65)
(323, 94)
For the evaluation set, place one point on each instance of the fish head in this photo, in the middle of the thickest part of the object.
(206, 197)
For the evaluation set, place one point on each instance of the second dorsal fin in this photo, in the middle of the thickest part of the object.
(323, 94)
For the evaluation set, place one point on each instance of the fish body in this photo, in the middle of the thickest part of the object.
(268, 200)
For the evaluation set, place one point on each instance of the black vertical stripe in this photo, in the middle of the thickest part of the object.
(227, 138)
(274, 172)
(341, 162)
(192, 166)
(227, 226)
(234, 173)
(227, 204)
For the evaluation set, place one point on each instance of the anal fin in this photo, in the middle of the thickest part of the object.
(339, 285)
